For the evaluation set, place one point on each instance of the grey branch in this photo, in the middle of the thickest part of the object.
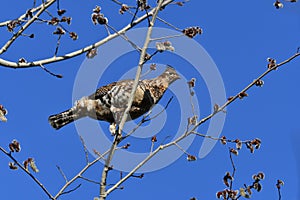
(103, 192)
(75, 53)
(27, 24)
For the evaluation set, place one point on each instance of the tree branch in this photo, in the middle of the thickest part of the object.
(105, 170)
(28, 173)
(78, 52)
(4, 23)
(79, 175)
(187, 133)
(27, 24)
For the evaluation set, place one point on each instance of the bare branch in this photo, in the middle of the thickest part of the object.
(103, 192)
(62, 173)
(27, 24)
(24, 15)
(187, 133)
(233, 169)
(79, 175)
(89, 180)
(85, 150)
(28, 173)
(72, 190)
(78, 52)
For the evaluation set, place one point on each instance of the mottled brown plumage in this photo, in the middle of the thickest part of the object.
(109, 102)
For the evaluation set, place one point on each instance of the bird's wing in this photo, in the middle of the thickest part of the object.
(102, 91)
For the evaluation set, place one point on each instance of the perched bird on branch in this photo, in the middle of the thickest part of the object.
(109, 102)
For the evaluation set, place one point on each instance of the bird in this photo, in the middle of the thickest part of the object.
(109, 102)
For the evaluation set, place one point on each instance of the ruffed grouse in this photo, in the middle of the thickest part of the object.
(109, 102)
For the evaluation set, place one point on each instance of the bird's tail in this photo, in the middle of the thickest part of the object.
(59, 120)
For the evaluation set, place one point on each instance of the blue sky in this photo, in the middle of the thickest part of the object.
(238, 36)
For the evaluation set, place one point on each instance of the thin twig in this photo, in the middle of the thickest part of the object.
(62, 173)
(85, 150)
(167, 37)
(152, 146)
(169, 24)
(187, 133)
(59, 193)
(105, 170)
(117, 2)
(279, 193)
(57, 45)
(135, 46)
(78, 52)
(233, 169)
(179, 147)
(217, 138)
(160, 112)
(27, 24)
(29, 174)
(191, 101)
(22, 17)
(49, 72)
(89, 180)
(103, 192)
(72, 190)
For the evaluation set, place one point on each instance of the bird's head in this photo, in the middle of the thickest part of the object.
(170, 74)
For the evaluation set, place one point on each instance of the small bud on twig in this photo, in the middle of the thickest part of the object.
(191, 158)
(279, 183)
(164, 46)
(226, 178)
(154, 139)
(12, 166)
(259, 83)
(61, 12)
(14, 146)
(191, 32)
(73, 35)
(242, 95)
(234, 151)
(223, 140)
(192, 82)
(91, 53)
(59, 31)
(123, 8)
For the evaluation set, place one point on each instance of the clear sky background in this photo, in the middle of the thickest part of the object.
(239, 36)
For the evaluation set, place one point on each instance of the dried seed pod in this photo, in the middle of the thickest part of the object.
(54, 21)
(259, 83)
(61, 12)
(278, 4)
(242, 95)
(12, 166)
(97, 9)
(223, 140)
(59, 31)
(191, 32)
(234, 151)
(126, 146)
(73, 35)
(154, 139)
(192, 82)
(191, 158)
(92, 53)
(124, 8)
(14, 146)
(230, 98)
